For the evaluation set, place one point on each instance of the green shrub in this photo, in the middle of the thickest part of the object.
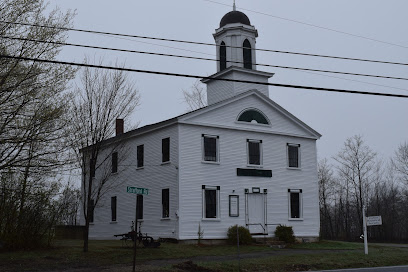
(285, 234)
(245, 237)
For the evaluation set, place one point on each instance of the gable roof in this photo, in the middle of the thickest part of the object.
(221, 104)
(183, 117)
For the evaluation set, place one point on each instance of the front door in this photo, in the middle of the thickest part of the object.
(255, 216)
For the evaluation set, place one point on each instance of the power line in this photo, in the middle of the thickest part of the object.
(312, 25)
(349, 79)
(201, 77)
(207, 59)
(209, 44)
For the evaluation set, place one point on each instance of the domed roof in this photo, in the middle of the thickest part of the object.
(233, 17)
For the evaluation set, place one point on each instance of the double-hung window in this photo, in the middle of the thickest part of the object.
(139, 207)
(210, 148)
(254, 149)
(211, 195)
(113, 208)
(140, 156)
(92, 168)
(114, 162)
(91, 211)
(295, 204)
(293, 155)
(165, 149)
(165, 203)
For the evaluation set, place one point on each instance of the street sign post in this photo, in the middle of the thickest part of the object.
(365, 231)
(374, 220)
(369, 221)
(137, 191)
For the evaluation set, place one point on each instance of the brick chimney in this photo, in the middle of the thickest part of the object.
(119, 126)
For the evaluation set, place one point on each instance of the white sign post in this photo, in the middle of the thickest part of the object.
(365, 232)
(369, 221)
(136, 191)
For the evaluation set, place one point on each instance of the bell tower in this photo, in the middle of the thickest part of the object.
(235, 40)
(236, 59)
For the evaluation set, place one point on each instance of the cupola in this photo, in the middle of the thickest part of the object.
(236, 55)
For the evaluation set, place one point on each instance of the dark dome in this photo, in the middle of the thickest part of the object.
(234, 17)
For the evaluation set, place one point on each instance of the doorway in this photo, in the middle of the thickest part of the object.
(255, 213)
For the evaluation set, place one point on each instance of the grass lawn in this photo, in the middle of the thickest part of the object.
(323, 255)
(382, 256)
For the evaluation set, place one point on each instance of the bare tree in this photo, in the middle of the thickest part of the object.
(70, 201)
(102, 97)
(31, 93)
(356, 170)
(326, 195)
(196, 96)
(400, 162)
(31, 109)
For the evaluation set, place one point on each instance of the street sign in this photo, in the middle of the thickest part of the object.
(374, 220)
(139, 191)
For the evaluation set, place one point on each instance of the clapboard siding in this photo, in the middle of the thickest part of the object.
(194, 174)
(279, 122)
(219, 90)
(155, 176)
(186, 174)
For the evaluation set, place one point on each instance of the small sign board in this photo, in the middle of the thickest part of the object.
(139, 191)
(234, 205)
(374, 220)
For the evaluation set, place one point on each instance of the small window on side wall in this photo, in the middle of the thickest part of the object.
(211, 195)
(293, 155)
(113, 208)
(210, 148)
(295, 204)
(92, 211)
(165, 149)
(140, 156)
(114, 162)
(165, 203)
(92, 168)
(139, 207)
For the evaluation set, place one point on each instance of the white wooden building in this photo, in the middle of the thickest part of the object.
(242, 160)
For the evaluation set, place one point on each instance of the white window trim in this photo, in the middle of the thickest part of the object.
(217, 211)
(300, 191)
(299, 156)
(217, 146)
(260, 165)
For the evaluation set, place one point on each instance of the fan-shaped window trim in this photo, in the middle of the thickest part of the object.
(253, 116)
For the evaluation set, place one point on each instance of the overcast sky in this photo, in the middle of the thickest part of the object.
(382, 121)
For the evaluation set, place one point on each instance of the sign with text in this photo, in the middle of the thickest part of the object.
(139, 191)
(374, 220)
(234, 205)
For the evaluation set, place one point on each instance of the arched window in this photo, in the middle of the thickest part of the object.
(247, 54)
(253, 116)
(223, 56)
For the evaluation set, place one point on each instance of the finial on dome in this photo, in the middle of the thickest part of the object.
(234, 7)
